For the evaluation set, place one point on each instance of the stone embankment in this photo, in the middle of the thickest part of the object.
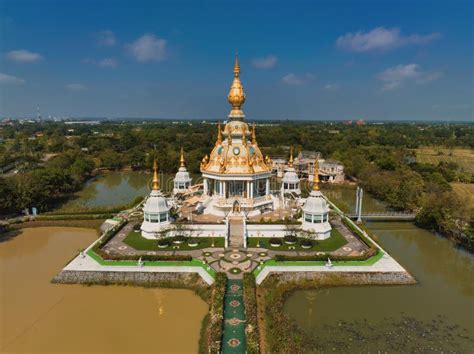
(127, 278)
(347, 278)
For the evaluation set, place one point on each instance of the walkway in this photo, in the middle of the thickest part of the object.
(233, 338)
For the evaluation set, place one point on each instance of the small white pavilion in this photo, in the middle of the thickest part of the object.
(316, 211)
(290, 182)
(182, 180)
(156, 211)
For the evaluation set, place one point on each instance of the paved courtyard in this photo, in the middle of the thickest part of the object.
(233, 261)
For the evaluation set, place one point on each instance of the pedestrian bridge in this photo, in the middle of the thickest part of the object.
(385, 216)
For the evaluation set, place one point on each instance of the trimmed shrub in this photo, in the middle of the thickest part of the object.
(275, 242)
(137, 227)
(306, 243)
(290, 239)
(163, 242)
(179, 239)
(324, 257)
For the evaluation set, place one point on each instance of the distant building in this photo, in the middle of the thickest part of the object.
(330, 171)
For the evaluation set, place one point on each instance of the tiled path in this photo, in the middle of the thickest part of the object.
(233, 339)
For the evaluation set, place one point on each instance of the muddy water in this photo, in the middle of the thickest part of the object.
(436, 314)
(37, 316)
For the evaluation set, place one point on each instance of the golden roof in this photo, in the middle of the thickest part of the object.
(236, 150)
(236, 95)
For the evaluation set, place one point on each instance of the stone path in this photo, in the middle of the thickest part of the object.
(233, 339)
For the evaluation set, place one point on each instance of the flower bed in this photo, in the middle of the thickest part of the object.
(250, 302)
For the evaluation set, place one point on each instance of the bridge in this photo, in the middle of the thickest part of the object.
(385, 216)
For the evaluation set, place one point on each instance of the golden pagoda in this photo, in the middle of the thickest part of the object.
(236, 168)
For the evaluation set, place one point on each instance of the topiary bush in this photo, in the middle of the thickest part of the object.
(290, 239)
(306, 243)
(275, 242)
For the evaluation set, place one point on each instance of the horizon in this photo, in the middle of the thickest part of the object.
(327, 62)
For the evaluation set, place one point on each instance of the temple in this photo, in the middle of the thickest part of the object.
(235, 194)
(236, 175)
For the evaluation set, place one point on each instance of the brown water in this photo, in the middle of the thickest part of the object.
(437, 314)
(37, 316)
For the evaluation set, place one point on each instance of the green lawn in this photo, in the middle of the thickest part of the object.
(135, 240)
(333, 243)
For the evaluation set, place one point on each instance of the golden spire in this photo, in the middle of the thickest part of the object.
(181, 158)
(156, 180)
(316, 176)
(236, 95)
(219, 134)
(290, 163)
(254, 137)
(244, 139)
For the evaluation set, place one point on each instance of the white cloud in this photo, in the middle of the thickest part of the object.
(293, 79)
(148, 48)
(331, 87)
(106, 38)
(76, 87)
(265, 62)
(381, 38)
(396, 76)
(104, 63)
(108, 63)
(24, 56)
(9, 79)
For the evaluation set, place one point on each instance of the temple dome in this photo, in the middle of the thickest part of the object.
(156, 203)
(316, 204)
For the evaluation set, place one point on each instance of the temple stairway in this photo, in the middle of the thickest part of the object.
(236, 232)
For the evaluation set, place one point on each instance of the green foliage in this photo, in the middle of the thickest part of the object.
(210, 341)
(250, 302)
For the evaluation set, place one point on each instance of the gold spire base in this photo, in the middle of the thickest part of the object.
(236, 114)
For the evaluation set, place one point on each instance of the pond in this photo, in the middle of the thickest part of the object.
(434, 315)
(43, 317)
(116, 188)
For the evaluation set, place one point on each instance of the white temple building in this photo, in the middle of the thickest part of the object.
(182, 180)
(236, 176)
(316, 211)
(156, 211)
(290, 182)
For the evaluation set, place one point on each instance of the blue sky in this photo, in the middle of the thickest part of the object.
(379, 60)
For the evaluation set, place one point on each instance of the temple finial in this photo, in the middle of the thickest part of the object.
(316, 176)
(236, 96)
(156, 179)
(219, 134)
(181, 158)
(236, 65)
(290, 162)
(254, 137)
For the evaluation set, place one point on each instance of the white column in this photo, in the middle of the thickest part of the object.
(267, 189)
(225, 188)
(251, 189)
(205, 186)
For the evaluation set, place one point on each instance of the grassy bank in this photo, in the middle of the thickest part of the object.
(212, 324)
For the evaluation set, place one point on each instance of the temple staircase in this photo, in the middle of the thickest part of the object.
(236, 232)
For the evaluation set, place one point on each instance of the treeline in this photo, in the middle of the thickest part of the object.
(380, 156)
(391, 175)
(45, 186)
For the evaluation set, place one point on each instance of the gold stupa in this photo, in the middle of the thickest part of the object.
(236, 150)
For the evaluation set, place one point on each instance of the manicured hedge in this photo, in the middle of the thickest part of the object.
(250, 302)
(324, 257)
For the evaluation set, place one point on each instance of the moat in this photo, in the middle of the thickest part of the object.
(443, 299)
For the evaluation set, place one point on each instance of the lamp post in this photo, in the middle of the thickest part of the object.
(258, 239)
(212, 238)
